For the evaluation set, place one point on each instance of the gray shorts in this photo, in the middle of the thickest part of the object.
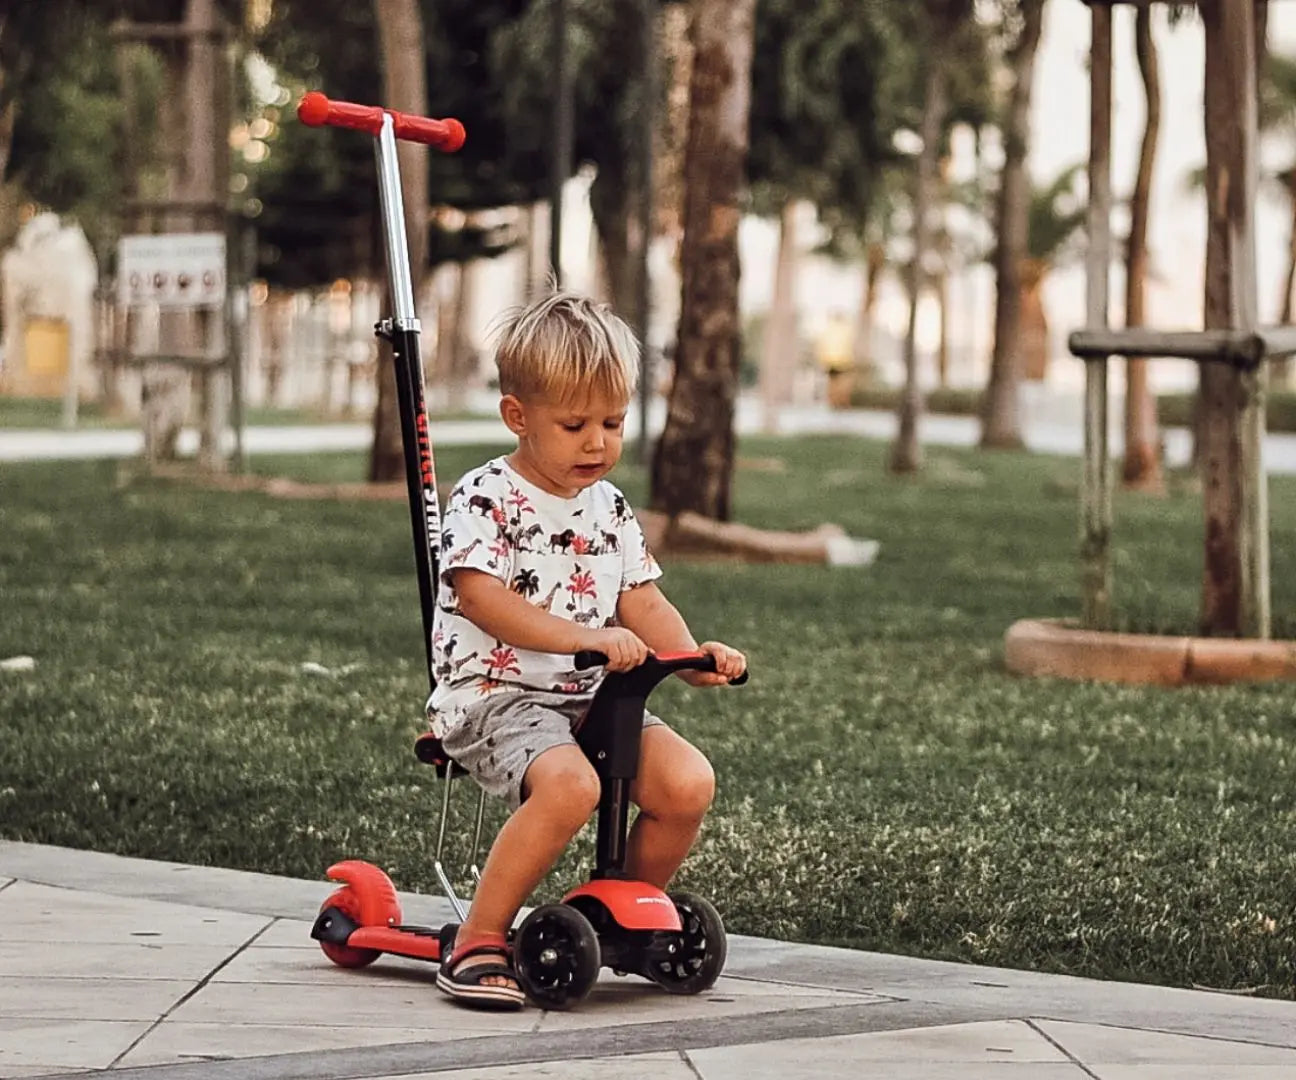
(500, 735)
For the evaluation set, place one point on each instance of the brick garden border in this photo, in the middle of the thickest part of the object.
(1058, 648)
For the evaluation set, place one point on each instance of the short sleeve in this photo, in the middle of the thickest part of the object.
(638, 567)
(474, 533)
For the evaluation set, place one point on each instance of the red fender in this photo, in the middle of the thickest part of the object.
(374, 889)
(635, 905)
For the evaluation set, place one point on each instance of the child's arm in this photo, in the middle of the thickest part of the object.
(490, 604)
(646, 611)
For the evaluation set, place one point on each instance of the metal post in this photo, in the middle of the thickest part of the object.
(1095, 497)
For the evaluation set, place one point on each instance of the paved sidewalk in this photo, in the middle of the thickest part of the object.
(171, 972)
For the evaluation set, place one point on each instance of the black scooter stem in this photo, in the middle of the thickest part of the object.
(420, 477)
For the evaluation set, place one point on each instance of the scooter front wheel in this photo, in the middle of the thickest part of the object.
(346, 902)
(556, 956)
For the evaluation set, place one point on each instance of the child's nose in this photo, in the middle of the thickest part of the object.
(594, 440)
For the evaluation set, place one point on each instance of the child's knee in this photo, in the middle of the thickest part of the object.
(687, 791)
(697, 788)
(566, 785)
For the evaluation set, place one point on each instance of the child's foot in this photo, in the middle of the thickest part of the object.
(478, 972)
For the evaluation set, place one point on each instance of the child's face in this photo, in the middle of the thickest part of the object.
(565, 446)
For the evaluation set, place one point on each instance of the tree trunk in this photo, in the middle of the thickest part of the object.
(463, 353)
(693, 462)
(1235, 573)
(400, 36)
(874, 264)
(906, 452)
(1001, 419)
(1032, 322)
(1142, 467)
(778, 352)
(1280, 370)
(612, 201)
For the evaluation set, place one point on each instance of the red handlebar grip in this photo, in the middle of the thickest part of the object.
(315, 110)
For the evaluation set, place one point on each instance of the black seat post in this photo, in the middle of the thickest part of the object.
(610, 738)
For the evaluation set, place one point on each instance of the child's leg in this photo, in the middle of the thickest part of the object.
(561, 791)
(673, 791)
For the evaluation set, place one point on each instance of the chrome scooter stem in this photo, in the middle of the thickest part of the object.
(393, 211)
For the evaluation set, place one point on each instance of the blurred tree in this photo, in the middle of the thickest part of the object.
(1141, 469)
(1278, 114)
(939, 25)
(400, 34)
(63, 113)
(693, 460)
(826, 99)
(1001, 420)
(1055, 219)
(319, 191)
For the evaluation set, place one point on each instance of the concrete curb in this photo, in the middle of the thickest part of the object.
(1057, 648)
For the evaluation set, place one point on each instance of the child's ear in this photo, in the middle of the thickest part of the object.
(513, 414)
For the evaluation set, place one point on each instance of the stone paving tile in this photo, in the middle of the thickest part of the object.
(1193, 1072)
(663, 1066)
(616, 1000)
(31, 912)
(1101, 1045)
(309, 966)
(40, 998)
(14, 1071)
(823, 1066)
(963, 1048)
(102, 961)
(181, 1043)
(418, 1005)
(64, 1044)
(287, 933)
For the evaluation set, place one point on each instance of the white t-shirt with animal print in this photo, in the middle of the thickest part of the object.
(570, 557)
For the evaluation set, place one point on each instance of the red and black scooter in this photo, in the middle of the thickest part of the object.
(678, 940)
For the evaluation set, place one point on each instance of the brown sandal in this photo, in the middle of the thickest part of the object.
(464, 982)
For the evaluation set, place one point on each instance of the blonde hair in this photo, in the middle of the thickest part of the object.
(566, 346)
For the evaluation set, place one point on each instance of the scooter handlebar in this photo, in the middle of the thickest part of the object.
(664, 663)
(316, 110)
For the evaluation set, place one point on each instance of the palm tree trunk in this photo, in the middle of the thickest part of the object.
(400, 36)
(906, 451)
(1280, 370)
(874, 264)
(1142, 467)
(1235, 555)
(693, 461)
(1001, 420)
(778, 354)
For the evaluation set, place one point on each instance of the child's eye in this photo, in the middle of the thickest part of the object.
(573, 427)
(613, 425)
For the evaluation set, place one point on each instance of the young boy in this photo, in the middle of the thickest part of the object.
(540, 558)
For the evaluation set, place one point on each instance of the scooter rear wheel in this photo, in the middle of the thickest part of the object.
(700, 948)
(347, 902)
(556, 956)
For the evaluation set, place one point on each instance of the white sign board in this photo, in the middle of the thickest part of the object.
(172, 270)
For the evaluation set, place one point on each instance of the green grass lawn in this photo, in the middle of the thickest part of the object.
(883, 783)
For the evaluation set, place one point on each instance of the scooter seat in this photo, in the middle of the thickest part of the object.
(428, 749)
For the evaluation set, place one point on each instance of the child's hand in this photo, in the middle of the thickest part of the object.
(623, 647)
(730, 663)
